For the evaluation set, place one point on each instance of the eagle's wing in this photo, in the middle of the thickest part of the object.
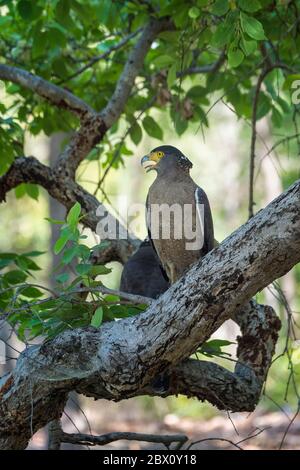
(141, 274)
(151, 241)
(205, 218)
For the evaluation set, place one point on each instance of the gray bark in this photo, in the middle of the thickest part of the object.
(121, 359)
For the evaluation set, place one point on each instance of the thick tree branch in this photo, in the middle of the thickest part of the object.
(132, 67)
(121, 359)
(95, 127)
(67, 192)
(52, 93)
(60, 182)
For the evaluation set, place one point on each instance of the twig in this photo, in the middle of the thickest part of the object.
(215, 439)
(253, 435)
(260, 80)
(117, 151)
(289, 426)
(97, 58)
(86, 439)
(235, 444)
(281, 142)
(130, 298)
(209, 68)
(135, 299)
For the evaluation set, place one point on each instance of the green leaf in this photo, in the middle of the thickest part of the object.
(152, 128)
(249, 5)
(180, 124)
(283, 104)
(235, 56)
(29, 10)
(84, 251)
(5, 262)
(32, 190)
(248, 46)
(74, 213)
(25, 9)
(59, 67)
(34, 253)
(194, 12)
(277, 118)
(252, 27)
(63, 277)
(55, 221)
(15, 277)
(223, 34)
(264, 105)
(102, 246)
(83, 268)
(27, 264)
(97, 317)
(289, 81)
(162, 61)
(39, 43)
(136, 133)
(60, 244)
(218, 343)
(69, 254)
(214, 347)
(220, 7)
(196, 92)
(31, 292)
(99, 269)
(20, 190)
(171, 75)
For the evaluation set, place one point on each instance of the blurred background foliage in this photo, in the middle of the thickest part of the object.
(196, 91)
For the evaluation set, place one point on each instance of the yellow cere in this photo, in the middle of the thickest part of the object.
(156, 156)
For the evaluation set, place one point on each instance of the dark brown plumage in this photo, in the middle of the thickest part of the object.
(174, 185)
(142, 274)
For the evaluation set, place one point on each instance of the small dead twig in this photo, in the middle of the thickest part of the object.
(260, 80)
(215, 439)
(234, 444)
(289, 426)
(87, 439)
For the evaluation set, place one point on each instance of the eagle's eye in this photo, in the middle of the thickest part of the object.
(160, 154)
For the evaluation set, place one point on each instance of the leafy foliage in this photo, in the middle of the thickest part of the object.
(73, 303)
(214, 50)
(214, 347)
(63, 41)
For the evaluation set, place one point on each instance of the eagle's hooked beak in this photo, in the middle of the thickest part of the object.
(150, 161)
(147, 163)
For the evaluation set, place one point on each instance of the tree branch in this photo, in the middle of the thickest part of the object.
(210, 68)
(52, 93)
(268, 67)
(67, 192)
(121, 359)
(103, 56)
(95, 127)
(132, 67)
(132, 298)
(104, 439)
